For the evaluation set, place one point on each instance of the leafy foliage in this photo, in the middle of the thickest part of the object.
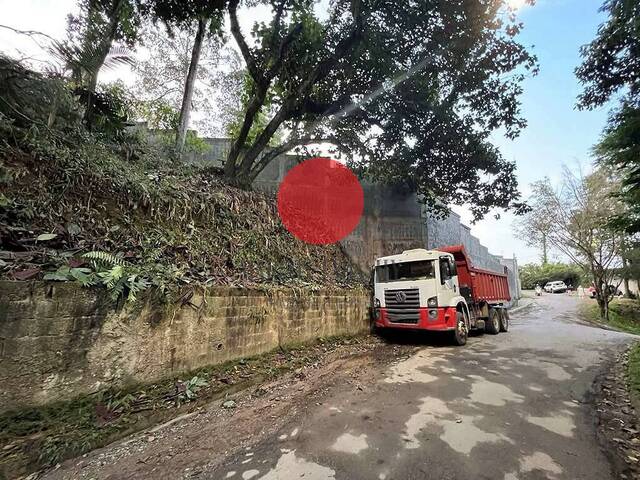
(533, 274)
(619, 149)
(91, 37)
(611, 62)
(188, 391)
(408, 90)
(33, 100)
(611, 66)
(160, 79)
(109, 271)
(175, 226)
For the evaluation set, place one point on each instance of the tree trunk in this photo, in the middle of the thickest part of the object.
(189, 86)
(602, 306)
(545, 258)
(102, 52)
(625, 277)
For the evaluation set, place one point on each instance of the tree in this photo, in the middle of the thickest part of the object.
(92, 35)
(409, 90)
(533, 274)
(578, 220)
(611, 65)
(161, 76)
(538, 237)
(207, 16)
(611, 62)
(619, 149)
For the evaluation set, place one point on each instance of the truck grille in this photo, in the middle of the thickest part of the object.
(403, 305)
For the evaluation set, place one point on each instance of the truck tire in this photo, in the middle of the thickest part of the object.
(461, 333)
(504, 320)
(493, 322)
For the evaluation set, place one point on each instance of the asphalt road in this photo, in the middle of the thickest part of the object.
(511, 406)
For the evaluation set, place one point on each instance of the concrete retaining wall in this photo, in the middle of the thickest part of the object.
(58, 340)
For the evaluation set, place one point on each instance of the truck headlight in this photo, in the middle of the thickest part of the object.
(376, 303)
(432, 302)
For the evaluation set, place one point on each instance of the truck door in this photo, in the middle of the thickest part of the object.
(448, 280)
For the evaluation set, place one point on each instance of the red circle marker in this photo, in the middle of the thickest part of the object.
(320, 201)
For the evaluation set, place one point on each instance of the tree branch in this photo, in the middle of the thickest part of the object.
(252, 66)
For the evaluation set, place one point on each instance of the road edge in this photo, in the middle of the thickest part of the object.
(617, 421)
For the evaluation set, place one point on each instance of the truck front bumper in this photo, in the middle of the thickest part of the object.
(438, 319)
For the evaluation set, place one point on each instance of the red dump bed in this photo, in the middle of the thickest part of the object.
(485, 285)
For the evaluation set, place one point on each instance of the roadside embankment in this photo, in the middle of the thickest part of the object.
(617, 393)
(624, 314)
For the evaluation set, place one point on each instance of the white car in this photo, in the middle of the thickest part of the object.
(555, 287)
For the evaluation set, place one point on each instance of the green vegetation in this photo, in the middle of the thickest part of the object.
(624, 314)
(611, 71)
(68, 191)
(533, 274)
(43, 436)
(633, 372)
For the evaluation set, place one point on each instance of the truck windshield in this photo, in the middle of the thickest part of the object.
(393, 272)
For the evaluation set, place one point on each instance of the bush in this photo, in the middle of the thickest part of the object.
(33, 100)
(533, 274)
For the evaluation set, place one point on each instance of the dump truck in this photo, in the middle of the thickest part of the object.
(439, 290)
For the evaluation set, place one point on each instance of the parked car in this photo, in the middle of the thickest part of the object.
(555, 287)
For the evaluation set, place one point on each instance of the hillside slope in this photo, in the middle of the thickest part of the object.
(171, 224)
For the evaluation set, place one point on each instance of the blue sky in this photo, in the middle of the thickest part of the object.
(557, 133)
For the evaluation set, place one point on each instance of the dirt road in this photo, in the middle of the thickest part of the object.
(512, 406)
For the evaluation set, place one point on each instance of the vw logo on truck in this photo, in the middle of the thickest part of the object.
(401, 297)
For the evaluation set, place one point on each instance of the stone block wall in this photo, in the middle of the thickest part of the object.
(58, 340)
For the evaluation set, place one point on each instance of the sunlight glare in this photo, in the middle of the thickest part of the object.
(516, 4)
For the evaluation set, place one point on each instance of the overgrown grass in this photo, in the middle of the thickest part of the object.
(624, 314)
(43, 436)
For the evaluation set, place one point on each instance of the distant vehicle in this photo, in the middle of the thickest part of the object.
(439, 290)
(555, 287)
(613, 290)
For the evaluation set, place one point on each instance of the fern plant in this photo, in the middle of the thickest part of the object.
(104, 259)
(120, 279)
(108, 270)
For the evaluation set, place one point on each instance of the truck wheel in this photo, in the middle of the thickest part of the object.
(462, 330)
(504, 320)
(493, 322)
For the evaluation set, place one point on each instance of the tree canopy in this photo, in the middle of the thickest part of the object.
(406, 90)
(611, 62)
(611, 66)
(533, 274)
